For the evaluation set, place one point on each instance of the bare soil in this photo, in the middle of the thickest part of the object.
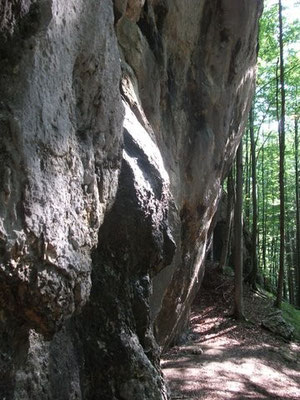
(226, 359)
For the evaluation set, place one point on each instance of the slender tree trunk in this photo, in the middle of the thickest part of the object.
(274, 235)
(253, 275)
(264, 225)
(277, 91)
(229, 215)
(291, 286)
(289, 258)
(294, 271)
(247, 181)
(238, 236)
(273, 263)
(281, 129)
(297, 200)
(285, 286)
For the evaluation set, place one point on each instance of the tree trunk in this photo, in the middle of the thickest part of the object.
(291, 286)
(281, 129)
(253, 274)
(264, 224)
(297, 243)
(229, 214)
(289, 258)
(247, 182)
(238, 237)
(274, 235)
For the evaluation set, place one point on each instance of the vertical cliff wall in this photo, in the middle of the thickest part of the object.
(118, 122)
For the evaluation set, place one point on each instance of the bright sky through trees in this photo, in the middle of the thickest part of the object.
(291, 8)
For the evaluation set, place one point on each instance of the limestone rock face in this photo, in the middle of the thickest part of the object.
(60, 119)
(118, 120)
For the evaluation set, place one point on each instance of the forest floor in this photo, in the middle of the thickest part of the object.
(225, 359)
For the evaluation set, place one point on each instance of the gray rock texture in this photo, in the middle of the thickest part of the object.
(275, 323)
(118, 122)
(60, 119)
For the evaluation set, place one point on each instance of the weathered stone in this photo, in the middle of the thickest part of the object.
(275, 323)
(209, 65)
(60, 119)
(102, 247)
(134, 8)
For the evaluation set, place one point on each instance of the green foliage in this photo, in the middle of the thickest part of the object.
(266, 105)
(289, 313)
(292, 315)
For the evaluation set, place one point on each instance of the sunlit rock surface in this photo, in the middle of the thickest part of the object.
(104, 226)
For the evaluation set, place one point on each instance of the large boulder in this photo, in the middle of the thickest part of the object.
(105, 206)
(275, 323)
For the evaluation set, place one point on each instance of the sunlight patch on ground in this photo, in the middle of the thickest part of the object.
(237, 360)
(248, 376)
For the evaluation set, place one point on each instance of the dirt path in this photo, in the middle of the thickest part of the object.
(224, 359)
